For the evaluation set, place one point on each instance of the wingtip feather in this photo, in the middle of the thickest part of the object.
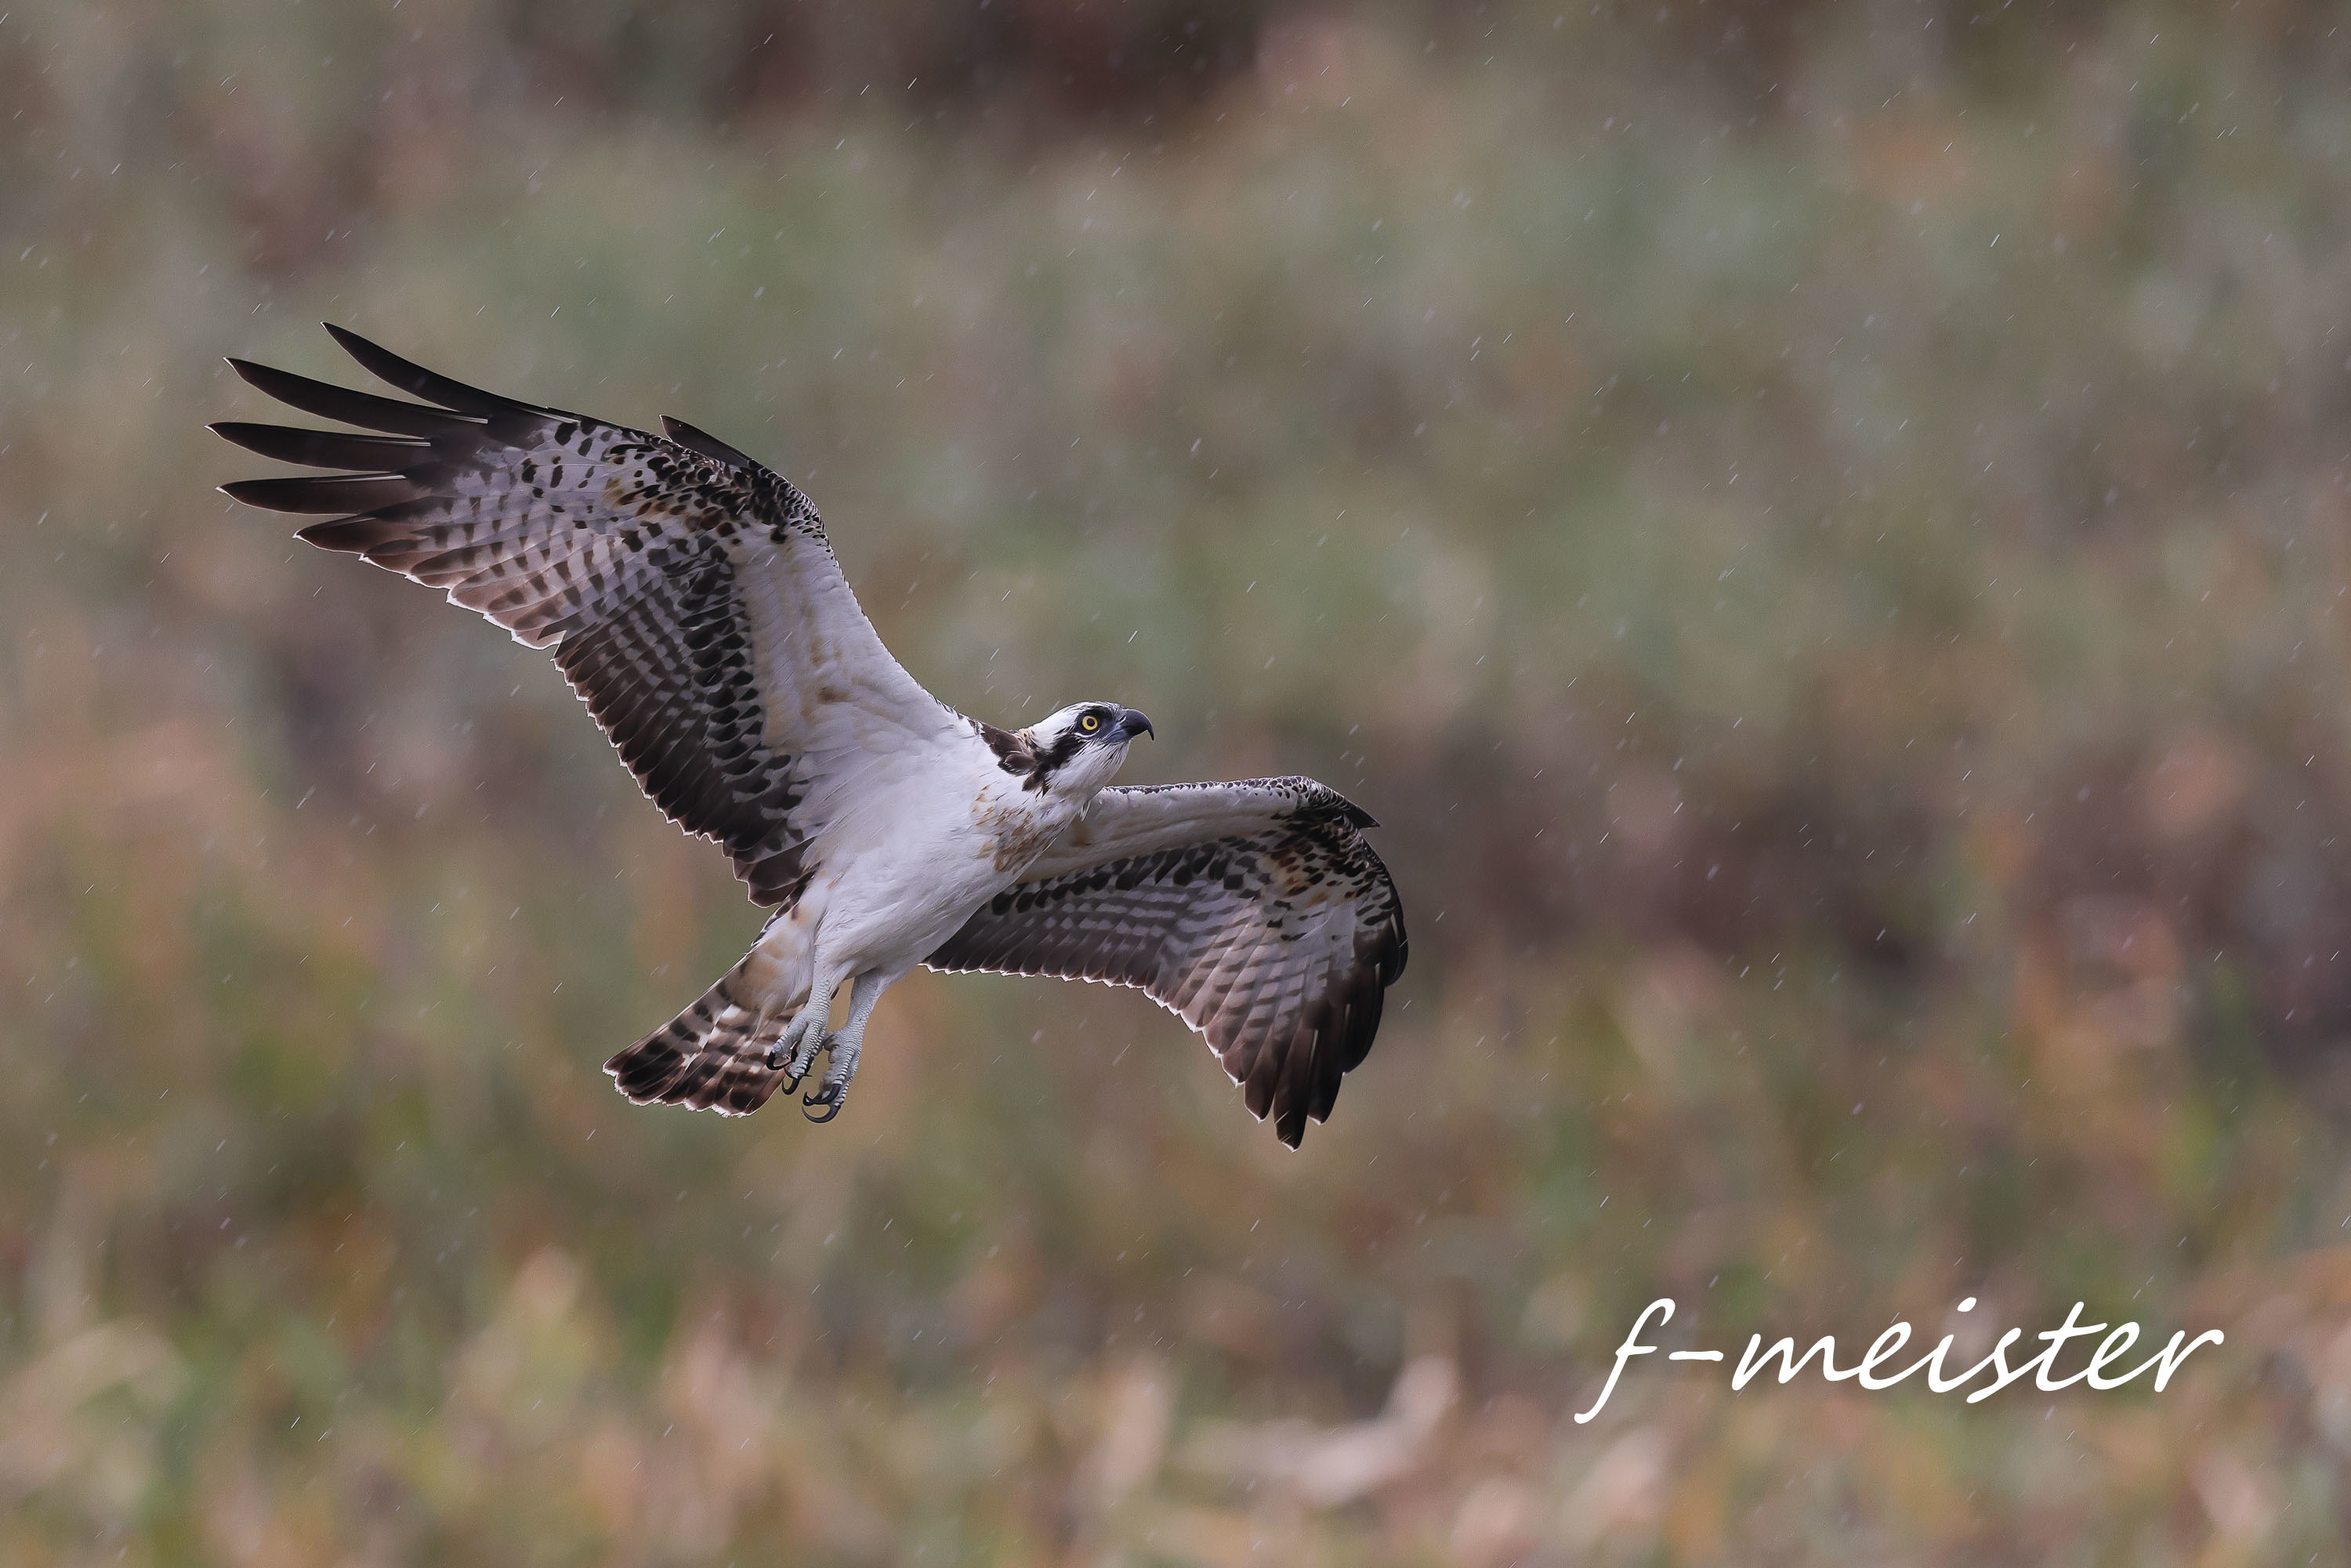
(341, 494)
(702, 441)
(325, 448)
(414, 379)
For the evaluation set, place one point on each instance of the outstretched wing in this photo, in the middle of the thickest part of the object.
(1253, 910)
(689, 593)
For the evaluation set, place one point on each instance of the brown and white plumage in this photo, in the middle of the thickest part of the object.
(694, 603)
(1254, 910)
(629, 554)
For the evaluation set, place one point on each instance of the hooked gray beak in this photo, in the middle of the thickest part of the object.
(1131, 722)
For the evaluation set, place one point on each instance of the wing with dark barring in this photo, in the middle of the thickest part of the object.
(690, 594)
(1253, 910)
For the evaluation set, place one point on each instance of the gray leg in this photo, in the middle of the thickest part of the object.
(795, 1052)
(833, 1093)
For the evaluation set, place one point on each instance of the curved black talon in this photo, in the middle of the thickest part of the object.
(781, 1061)
(832, 1103)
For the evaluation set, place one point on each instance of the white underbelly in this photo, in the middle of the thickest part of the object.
(898, 915)
(906, 873)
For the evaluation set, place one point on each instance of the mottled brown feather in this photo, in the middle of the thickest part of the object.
(1276, 944)
(621, 549)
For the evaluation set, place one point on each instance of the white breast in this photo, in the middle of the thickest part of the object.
(920, 848)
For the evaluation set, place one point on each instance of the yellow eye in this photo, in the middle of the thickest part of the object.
(1089, 723)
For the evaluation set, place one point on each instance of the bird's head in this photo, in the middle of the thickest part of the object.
(1079, 748)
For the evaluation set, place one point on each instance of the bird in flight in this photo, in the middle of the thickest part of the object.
(694, 603)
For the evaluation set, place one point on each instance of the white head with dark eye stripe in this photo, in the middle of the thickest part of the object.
(1078, 749)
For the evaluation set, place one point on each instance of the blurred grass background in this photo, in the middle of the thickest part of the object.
(1820, 528)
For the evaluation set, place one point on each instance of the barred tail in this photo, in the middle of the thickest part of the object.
(714, 1055)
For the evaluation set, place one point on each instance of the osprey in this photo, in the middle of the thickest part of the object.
(694, 603)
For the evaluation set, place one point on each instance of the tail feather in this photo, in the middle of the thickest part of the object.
(711, 1057)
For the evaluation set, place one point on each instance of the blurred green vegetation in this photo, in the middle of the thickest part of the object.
(1820, 529)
